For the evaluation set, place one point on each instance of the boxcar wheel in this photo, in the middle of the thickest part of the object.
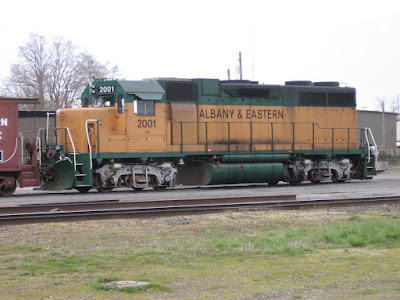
(7, 191)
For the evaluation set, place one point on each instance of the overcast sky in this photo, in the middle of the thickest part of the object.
(354, 42)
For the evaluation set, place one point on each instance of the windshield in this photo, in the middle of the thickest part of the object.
(106, 100)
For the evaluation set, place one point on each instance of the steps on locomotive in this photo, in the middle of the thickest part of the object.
(371, 171)
(78, 173)
(80, 176)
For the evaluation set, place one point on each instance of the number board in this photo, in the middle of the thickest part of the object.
(1, 155)
(106, 89)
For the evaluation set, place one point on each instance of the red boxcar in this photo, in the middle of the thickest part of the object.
(12, 169)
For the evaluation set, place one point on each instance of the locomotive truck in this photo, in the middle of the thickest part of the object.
(168, 131)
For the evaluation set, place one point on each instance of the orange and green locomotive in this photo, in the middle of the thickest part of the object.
(164, 132)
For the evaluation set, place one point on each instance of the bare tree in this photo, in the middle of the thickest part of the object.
(28, 77)
(54, 72)
(394, 105)
(64, 80)
(91, 68)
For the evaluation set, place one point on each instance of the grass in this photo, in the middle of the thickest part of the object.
(306, 238)
(226, 256)
(367, 292)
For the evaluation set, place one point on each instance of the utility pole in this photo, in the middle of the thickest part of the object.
(240, 66)
(383, 125)
(398, 120)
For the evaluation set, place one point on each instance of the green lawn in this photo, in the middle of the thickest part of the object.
(283, 255)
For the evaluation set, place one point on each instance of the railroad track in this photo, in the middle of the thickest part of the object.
(115, 192)
(43, 193)
(114, 209)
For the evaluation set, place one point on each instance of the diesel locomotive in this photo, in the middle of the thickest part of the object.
(168, 131)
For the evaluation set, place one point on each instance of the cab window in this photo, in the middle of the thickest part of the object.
(143, 107)
(106, 100)
(85, 102)
(96, 102)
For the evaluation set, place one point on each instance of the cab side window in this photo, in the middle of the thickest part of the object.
(85, 102)
(107, 101)
(143, 107)
(96, 102)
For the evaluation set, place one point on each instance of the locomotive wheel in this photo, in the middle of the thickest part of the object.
(83, 189)
(295, 182)
(104, 189)
(159, 187)
(98, 185)
(7, 191)
(335, 178)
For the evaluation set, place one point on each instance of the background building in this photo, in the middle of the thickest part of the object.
(30, 122)
(383, 126)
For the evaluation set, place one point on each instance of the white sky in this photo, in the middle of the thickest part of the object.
(356, 42)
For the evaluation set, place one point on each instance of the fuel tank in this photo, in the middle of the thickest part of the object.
(203, 173)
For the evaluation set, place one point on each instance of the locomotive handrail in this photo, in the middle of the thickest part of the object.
(47, 125)
(371, 148)
(72, 142)
(314, 125)
(39, 144)
(88, 140)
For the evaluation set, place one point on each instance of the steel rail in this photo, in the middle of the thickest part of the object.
(45, 193)
(115, 203)
(162, 211)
